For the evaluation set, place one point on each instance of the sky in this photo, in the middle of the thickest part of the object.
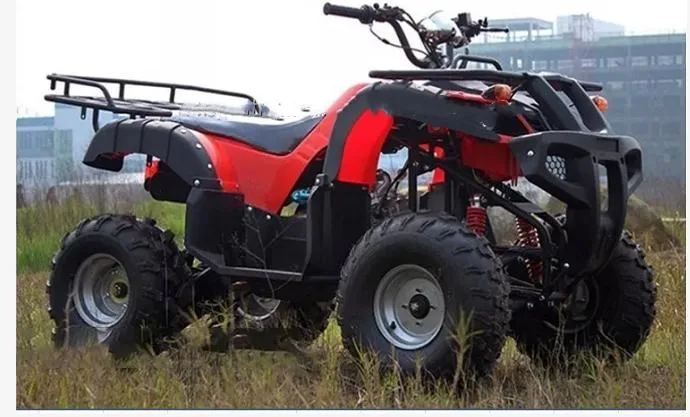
(279, 51)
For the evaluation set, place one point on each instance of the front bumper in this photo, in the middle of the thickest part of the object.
(569, 166)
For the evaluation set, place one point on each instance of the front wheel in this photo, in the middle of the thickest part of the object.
(423, 287)
(612, 312)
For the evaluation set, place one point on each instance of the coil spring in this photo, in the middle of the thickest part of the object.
(476, 217)
(528, 236)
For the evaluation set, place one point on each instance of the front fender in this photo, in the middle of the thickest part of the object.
(188, 153)
(362, 126)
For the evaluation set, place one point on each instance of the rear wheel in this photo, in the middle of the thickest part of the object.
(113, 282)
(612, 312)
(264, 323)
(411, 283)
(271, 324)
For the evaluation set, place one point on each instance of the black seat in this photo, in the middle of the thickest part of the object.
(277, 138)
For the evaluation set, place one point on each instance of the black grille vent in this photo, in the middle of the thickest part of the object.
(556, 166)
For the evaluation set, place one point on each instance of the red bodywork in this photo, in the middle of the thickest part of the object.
(266, 180)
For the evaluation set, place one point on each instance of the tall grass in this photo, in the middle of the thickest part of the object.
(40, 227)
(327, 377)
(191, 378)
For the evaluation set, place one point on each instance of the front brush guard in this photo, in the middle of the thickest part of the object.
(566, 164)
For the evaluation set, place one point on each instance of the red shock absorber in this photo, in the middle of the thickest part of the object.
(476, 216)
(528, 236)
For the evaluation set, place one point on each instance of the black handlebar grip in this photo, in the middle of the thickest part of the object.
(364, 14)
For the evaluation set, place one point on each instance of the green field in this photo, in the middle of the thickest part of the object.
(328, 377)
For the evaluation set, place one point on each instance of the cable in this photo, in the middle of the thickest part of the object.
(387, 42)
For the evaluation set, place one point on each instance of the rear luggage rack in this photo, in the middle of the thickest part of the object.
(131, 106)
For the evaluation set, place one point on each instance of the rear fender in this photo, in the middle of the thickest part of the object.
(190, 170)
(189, 154)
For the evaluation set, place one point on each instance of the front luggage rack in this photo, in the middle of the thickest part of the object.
(134, 107)
(557, 81)
(543, 88)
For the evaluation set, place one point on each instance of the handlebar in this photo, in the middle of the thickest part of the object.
(365, 14)
(406, 46)
(394, 15)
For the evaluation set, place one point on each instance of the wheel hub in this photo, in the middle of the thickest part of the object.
(578, 309)
(101, 293)
(576, 304)
(119, 291)
(257, 309)
(409, 307)
(419, 306)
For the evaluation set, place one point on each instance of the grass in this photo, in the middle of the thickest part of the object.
(41, 227)
(191, 378)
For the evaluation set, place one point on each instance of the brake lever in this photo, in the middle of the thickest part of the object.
(388, 12)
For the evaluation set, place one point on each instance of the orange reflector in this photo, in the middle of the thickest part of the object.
(601, 103)
(151, 169)
(502, 92)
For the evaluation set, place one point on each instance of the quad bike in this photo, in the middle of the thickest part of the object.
(286, 220)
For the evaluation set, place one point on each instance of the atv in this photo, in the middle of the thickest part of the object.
(287, 221)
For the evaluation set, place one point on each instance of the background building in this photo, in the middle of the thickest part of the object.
(50, 149)
(643, 77)
(583, 26)
(44, 153)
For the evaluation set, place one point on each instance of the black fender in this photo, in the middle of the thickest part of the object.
(212, 214)
(177, 146)
(338, 211)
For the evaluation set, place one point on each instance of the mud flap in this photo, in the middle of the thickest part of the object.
(214, 226)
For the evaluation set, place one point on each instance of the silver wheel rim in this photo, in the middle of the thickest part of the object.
(409, 307)
(258, 308)
(101, 293)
